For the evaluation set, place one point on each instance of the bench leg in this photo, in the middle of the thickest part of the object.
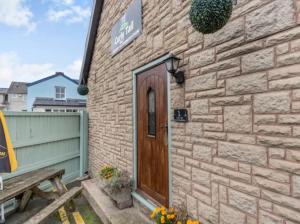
(25, 199)
(44, 195)
(61, 189)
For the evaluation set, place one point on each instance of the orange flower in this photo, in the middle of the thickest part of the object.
(163, 211)
(162, 219)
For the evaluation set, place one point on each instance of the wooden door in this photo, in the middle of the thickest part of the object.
(152, 123)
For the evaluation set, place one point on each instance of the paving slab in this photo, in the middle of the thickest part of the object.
(106, 210)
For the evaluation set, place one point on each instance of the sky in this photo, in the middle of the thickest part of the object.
(41, 37)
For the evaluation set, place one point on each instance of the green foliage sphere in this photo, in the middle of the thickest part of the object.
(83, 90)
(208, 16)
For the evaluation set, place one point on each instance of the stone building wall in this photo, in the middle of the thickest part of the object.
(238, 159)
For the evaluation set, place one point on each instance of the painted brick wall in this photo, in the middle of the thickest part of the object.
(238, 160)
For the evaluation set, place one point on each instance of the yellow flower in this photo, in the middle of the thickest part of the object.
(171, 216)
(153, 214)
(196, 222)
(163, 211)
(162, 219)
(171, 210)
(189, 222)
(179, 222)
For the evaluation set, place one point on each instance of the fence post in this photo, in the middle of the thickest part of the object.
(83, 142)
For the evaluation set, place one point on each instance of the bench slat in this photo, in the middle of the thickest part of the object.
(17, 185)
(54, 206)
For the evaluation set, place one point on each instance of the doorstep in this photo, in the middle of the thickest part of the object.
(106, 210)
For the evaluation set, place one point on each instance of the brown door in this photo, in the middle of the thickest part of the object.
(152, 121)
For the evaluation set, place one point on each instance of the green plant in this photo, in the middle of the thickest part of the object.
(119, 180)
(107, 172)
(115, 180)
(208, 16)
(82, 90)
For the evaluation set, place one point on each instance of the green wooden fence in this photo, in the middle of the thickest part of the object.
(49, 140)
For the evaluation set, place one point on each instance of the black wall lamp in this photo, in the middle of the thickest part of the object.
(172, 64)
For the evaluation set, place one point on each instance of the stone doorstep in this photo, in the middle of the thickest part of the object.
(106, 210)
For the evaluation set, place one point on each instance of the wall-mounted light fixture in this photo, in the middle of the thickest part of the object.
(172, 64)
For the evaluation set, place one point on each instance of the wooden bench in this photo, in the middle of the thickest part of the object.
(23, 186)
(44, 214)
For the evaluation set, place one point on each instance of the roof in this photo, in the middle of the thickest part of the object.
(51, 77)
(44, 101)
(17, 88)
(90, 41)
(3, 90)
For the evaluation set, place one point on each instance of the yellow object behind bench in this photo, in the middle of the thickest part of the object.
(7, 154)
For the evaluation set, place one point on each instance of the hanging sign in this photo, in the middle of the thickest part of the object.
(127, 28)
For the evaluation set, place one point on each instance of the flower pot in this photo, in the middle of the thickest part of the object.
(121, 197)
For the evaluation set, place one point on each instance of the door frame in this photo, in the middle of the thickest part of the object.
(146, 202)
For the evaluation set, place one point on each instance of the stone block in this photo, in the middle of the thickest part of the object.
(287, 213)
(195, 38)
(296, 186)
(281, 84)
(246, 188)
(241, 138)
(252, 83)
(203, 153)
(242, 152)
(247, 48)
(202, 82)
(284, 72)
(293, 119)
(242, 201)
(238, 119)
(272, 185)
(283, 36)
(274, 102)
(202, 58)
(288, 59)
(264, 119)
(263, 21)
(279, 142)
(193, 129)
(222, 65)
(209, 213)
(271, 174)
(199, 107)
(232, 30)
(292, 167)
(201, 177)
(229, 215)
(192, 206)
(281, 199)
(268, 218)
(257, 61)
(273, 130)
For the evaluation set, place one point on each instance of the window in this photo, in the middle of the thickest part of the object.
(151, 113)
(60, 92)
(48, 110)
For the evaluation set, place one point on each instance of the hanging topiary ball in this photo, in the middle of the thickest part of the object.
(208, 16)
(82, 90)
